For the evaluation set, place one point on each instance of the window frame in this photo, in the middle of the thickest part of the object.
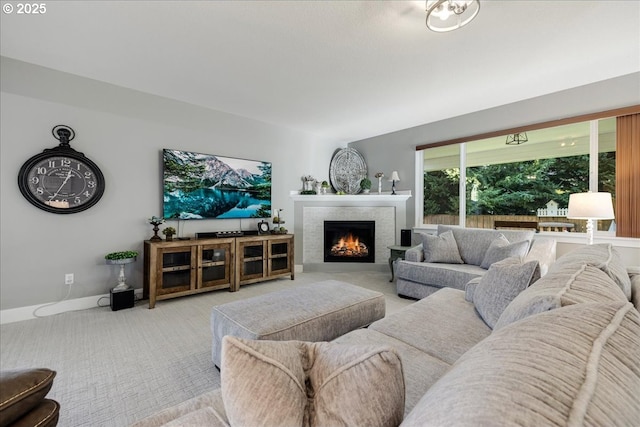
(592, 118)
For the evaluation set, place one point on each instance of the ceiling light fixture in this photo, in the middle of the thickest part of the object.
(517, 138)
(449, 15)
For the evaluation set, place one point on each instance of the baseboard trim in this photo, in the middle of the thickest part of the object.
(43, 310)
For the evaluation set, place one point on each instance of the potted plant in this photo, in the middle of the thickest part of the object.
(121, 258)
(324, 187)
(169, 232)
(365, 184)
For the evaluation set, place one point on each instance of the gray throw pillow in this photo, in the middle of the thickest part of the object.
(501, 248)
(569, 284)
(603, 256)
(442, 248)
(502, 283)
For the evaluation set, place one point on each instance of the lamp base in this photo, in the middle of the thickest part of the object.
(590, 231)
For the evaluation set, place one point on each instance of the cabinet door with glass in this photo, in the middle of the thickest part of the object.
(175, 269)
(251, 264)
(215, 263)
(280, 255)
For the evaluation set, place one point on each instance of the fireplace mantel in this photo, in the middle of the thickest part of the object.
(400, 196)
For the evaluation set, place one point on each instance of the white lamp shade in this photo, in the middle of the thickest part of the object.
(394, 176)
(590, 206)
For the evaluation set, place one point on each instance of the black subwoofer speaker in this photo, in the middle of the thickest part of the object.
(405, 237)
(122, 299)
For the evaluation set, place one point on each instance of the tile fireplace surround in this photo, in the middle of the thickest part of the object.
(310, 211)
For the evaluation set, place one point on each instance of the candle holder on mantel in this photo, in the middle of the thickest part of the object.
(379, 175)
(155, 221)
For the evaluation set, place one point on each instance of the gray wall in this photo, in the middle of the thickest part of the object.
(123, 131)
(396, 151)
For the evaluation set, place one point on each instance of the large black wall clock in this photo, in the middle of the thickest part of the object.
(61, 180)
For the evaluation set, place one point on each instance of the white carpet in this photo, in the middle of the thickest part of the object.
(116, 367)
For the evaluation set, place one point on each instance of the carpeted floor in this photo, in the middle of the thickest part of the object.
(115, 367)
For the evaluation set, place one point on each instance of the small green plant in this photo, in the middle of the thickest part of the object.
(155, 220)
(325, 184)
(121, 255)
(169, 231)
(365, 184)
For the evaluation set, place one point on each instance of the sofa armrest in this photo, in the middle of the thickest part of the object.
(544, 251)
(414, 254)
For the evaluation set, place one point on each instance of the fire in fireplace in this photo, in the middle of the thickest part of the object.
(349, 241)
(349, 245)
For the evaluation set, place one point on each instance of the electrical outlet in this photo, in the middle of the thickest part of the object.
(68, 279)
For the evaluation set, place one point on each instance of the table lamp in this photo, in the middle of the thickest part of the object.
(393, 179)
(590, 206)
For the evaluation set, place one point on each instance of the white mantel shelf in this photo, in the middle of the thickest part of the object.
(400, 196)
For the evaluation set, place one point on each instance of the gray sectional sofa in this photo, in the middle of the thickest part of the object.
(564, 351)
(456, 255)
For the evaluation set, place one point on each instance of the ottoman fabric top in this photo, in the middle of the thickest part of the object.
(316, 312)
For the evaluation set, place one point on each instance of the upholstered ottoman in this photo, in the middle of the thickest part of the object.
(317, 312)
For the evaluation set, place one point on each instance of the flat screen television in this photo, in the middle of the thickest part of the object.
(205, 186)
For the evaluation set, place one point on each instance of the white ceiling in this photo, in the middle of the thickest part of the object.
(340, 70)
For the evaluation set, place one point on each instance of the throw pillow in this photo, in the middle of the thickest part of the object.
(23, 390)
(502, 283)
(566, 286)
(501, 248)
(470, 289)
(635, 291)
(603, 256)
(315, 384)
(442, 248)
(575, 366)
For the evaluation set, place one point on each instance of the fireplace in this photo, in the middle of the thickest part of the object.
(349, 241)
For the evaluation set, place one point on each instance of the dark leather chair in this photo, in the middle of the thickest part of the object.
(23, 399)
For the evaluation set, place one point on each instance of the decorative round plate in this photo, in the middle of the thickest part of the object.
(346, 170)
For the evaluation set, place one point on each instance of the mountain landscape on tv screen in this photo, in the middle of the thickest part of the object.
(201, 186)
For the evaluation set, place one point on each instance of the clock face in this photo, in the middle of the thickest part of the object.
(263, 227)
(63, 182)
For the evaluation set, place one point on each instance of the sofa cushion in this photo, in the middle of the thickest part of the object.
(502, 283)
(603, 256)
(566, 286)
(474, 242)
(530, 373)
(420, 369)
(443, 325)
(501, 248)
(208, 404)
(439, 275)
(21, 391)
(205, 416)
(315, 384)
(441, 248)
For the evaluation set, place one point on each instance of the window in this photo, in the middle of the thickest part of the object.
(527, 182)
(441, 183)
